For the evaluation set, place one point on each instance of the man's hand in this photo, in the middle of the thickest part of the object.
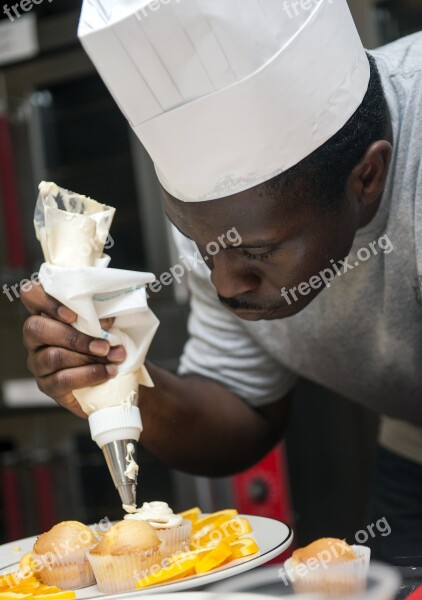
(190, 423)
(61, 358)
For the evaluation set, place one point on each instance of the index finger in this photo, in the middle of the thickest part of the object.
(38, 302)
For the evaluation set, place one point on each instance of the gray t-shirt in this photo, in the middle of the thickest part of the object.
(362, 337)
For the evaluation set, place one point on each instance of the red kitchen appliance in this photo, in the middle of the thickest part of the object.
(264, 490)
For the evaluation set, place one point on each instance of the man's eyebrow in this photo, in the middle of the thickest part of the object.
(259, 244)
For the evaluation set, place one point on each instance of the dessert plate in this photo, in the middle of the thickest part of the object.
(273, 538)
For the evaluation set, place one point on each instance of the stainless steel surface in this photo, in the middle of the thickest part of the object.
(127, 493)
(115, 455)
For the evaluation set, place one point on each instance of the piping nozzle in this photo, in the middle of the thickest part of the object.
(116, 430)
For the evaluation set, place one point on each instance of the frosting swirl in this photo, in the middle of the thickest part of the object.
(158, 514)
(132, 467)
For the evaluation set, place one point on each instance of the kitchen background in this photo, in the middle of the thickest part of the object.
(58, 122)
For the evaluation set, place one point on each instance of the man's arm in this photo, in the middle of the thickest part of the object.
(196, 424)
(191, 423)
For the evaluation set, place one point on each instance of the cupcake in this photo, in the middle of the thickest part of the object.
(173, 531)
(125, 554)
(329, 566)
(60, 555)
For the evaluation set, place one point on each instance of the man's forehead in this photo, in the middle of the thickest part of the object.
(244, 205)
(256, 214)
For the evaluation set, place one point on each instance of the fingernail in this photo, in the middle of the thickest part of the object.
(99, 347)
(111, 370)
(66, 314)
(117, 354)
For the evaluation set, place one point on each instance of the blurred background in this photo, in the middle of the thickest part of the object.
(59, 123)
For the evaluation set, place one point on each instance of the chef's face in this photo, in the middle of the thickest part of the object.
(281, 243)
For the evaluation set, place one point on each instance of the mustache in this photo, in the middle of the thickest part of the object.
(239, 304)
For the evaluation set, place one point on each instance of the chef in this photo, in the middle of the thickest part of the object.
(283, 129)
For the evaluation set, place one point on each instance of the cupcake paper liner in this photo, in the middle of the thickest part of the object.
(69, 576)
(116, 574)
(175, 539)
(59, 557)
(332, 579)
(66, 571)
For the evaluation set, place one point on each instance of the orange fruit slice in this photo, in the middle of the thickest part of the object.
(46, 590)
(176, 570)
(228, 530)
(187, 555)
(229, 513)
(192, 514)
(13, 596)
(28, 566)
(214, 558)
(244, 547)
(62, 595)
(8, 581)
(25, 588)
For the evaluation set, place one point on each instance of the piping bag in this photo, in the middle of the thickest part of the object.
(73, 231)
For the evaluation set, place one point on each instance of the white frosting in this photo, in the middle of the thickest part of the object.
(120, 390)
(132, 467)
(158, 514)
(73, 230)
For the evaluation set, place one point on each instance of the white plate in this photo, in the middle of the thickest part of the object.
(273, 538)
(212, 596)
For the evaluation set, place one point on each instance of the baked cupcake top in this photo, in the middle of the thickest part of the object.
(127, 537)
(67, 536)
(339, 552)
(158, 514)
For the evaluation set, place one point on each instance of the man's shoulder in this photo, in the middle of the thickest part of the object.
(402, 57)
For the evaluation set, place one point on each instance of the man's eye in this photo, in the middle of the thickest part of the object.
(258, 254)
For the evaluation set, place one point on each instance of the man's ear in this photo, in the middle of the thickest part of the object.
(368, 178)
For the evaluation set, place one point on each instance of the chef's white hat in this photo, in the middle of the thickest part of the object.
(226, 94)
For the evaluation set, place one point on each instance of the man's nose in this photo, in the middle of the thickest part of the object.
(231, 276)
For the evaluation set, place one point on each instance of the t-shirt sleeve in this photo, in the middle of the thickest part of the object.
(221, 348)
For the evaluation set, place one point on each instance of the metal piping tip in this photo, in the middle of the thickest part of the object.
(127, 494)
(118, 456)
